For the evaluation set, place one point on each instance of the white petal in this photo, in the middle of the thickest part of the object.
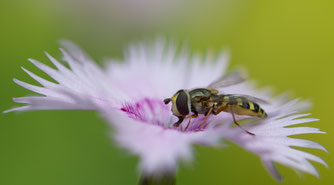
(40, 80)
(272, 144)
(84, 86)
(269, 165)
(160, 149)
(161, 70)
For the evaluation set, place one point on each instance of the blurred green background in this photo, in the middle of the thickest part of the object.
(286, 44)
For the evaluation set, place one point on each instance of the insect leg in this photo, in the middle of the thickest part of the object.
(176, 124)
(192, 116)
(187, 124)
(221, 109)
(235, 122)
(206, 117)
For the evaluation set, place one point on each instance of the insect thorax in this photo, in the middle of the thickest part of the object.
(199, 100)
(200, 93)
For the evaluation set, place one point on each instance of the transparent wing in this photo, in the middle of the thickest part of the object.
(233, 78)
(252, 98)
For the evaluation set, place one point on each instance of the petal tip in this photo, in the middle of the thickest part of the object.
(24, 69)
(33, 61)
(62, 50)
(7, 111)
(15, 80)
(47, 54)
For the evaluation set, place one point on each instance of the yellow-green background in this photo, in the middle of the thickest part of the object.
(287, 44)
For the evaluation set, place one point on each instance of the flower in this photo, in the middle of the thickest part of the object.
(130, 96)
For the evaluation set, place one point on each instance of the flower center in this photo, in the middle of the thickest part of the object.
(154, 111)
(151, 111)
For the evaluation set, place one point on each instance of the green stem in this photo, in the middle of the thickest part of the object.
(164, 180)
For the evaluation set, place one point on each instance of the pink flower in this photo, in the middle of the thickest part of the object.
(130, 95)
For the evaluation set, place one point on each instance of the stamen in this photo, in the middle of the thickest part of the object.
(156, 112)
(148, 110)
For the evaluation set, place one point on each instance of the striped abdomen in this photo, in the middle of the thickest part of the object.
(242, 106)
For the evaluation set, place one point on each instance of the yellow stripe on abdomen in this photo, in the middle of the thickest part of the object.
(251, 105)
(239, 101)
(226, 99)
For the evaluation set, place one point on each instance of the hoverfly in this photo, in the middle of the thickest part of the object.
(208, 101)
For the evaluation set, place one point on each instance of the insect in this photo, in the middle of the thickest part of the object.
(208, 101)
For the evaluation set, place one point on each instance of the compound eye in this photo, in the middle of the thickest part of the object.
(182, 103)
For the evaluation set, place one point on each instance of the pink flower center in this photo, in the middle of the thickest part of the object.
(154, 111)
